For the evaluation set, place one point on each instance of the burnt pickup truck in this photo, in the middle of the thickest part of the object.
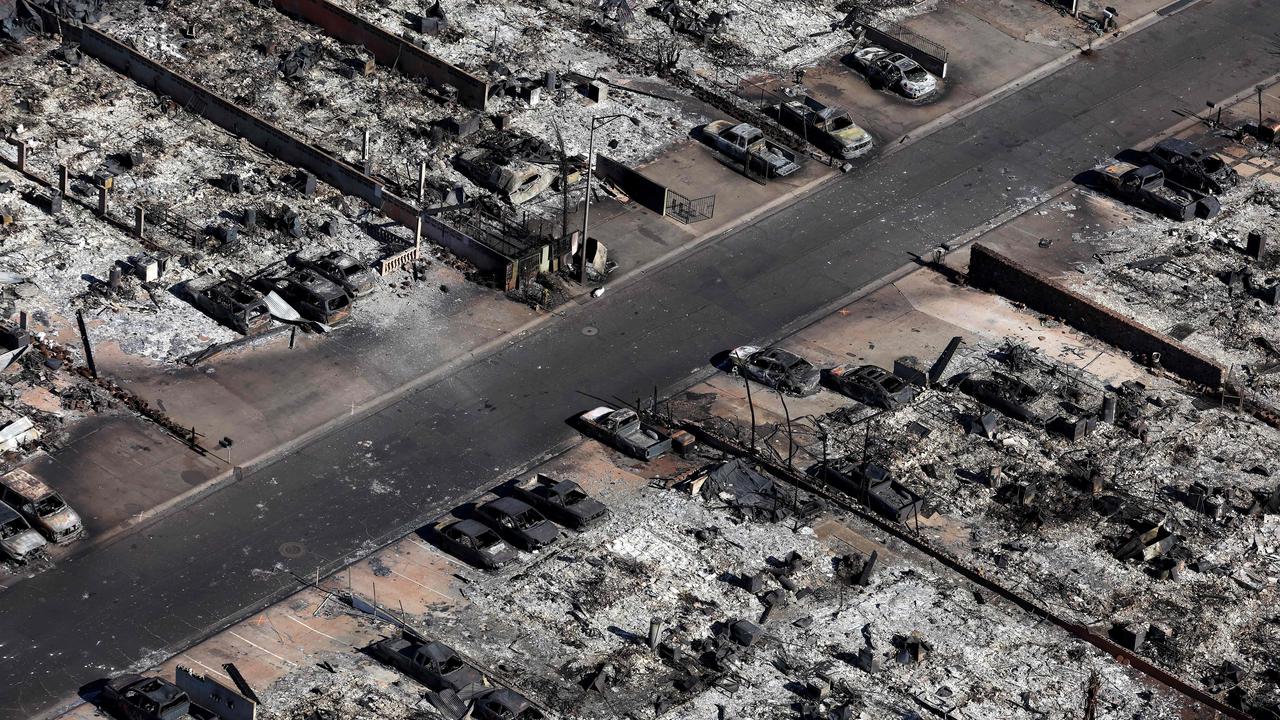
(1147, 187)
(746, 144)
(624, 430)
(431, 663)
(828, 127)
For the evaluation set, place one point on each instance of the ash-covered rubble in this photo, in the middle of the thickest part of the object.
(299, 78)
(1214, 286)
(345, 686)
(1144, 512)
(213, 207)
(688, 602)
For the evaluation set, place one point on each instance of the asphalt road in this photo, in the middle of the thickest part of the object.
(193, 571)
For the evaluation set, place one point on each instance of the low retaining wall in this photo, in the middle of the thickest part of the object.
(644, 191)
(1064, 5)
(388, 49)
(990, 270)
(930, 55)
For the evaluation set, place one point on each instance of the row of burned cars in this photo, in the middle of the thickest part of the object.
(316, 290)
(32, 517)
(1176, 178)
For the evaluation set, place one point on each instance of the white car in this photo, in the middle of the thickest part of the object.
(895, 71)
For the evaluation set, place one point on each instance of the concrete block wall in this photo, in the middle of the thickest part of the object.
(990, 270)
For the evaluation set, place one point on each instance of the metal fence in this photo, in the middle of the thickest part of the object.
(690, 211)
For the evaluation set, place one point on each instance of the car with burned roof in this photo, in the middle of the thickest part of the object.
(872, 385)
(828, 127)
(504, 704)
(431, 663)
(563, 501)
(746, 144)
(780, 369)
(518, 523)
(18, 541)
(1192, 166)
(133, 697)
(870, 484)
(41, 505)
(230, 302)
(357, 278)
(473, 542)
(625, 431)
(312, 295)
(895, 71)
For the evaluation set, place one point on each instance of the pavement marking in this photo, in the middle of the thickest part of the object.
(315, 630)
(424, 587)
(238, 636)
(206, 667)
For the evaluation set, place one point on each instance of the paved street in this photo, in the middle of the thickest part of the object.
(195, 570)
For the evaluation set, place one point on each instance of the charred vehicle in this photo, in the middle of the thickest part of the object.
(474, 543)
(516, 166)
(132, 697)
(354, 276)
(433, 664)
(563, 501)
(779, 369)
(41, 506)
(895, 71)
(1148, 188)
(624, 430)
(1192, 166)
(830, 128)
(232, 303)
(504, 704)
(872, 385)
(312, 295)
(746, 144)
(18, 541)
(518, 523)
(871, 485)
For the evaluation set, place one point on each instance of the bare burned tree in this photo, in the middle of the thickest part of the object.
(662, 50)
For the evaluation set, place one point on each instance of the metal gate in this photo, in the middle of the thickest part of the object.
(690, 211)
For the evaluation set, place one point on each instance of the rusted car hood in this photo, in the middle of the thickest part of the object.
(23, 543)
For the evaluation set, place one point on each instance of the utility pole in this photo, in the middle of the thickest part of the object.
(596, 122)
(752, 406)
(790, 437)
(1259, 88)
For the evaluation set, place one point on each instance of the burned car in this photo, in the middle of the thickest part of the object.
(516, 166)
(1192, 166)
(433, 664)
(830, 128)
(1147, 187)
(563, 501)
(746, 144)
(354, 276)
(474, 543)
(518, 523)
(310, 294)
(18, 541)
(232, 303)
(780, 369)
(504, 704)
(895, 71)
(133, 697)
(871, 485)
(43, 507)
(872, 385)
(624, 430)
